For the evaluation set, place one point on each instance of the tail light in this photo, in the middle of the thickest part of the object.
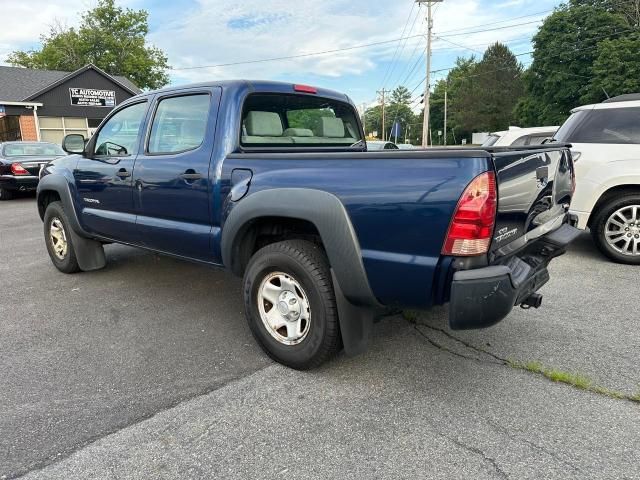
(472, 223)
(18, 169)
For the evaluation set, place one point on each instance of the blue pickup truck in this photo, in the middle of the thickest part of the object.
(273, 182)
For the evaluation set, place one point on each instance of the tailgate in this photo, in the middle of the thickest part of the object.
(534, 192)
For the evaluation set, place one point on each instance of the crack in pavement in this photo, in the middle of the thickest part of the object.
(501, 430)
(55, 459)
(486, 458)
(544, 372)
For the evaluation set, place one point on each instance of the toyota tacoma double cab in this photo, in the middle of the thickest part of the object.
(273, 182)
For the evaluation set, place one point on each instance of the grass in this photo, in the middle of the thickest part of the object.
(410, 316)
(576, 380)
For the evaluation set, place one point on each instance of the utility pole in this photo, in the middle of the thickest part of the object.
(364, 114)
(427, 87)
(382, 92)
(445, 114)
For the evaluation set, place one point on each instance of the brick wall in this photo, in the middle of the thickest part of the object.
(28, 127)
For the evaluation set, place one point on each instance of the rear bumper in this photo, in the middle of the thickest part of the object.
(21, 182)
(484, 296)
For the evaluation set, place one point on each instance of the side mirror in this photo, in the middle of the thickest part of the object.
(73, 143)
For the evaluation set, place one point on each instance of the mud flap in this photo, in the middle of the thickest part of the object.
(356, 323)
(89, 253)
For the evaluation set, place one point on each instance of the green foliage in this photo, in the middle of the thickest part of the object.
(566, 50)
(110, 37)
(481, 94)
(576, 380)
(398, 109)
(307, 118)
(616, 68)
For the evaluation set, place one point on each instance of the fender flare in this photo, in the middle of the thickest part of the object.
(89, 252)
(60, 185)
(357, 306)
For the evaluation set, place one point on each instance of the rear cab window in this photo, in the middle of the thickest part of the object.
(290, 121)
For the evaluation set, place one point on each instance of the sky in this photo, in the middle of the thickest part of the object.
(215, 33)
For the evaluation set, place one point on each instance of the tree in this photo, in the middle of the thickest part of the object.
(616, 69)
(401, 95)
(110, 37)
(565, 49)
(398, 109)
(497, 87)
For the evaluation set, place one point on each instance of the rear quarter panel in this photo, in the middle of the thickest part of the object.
(400, 207)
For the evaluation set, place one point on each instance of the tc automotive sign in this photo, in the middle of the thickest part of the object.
(89, 97)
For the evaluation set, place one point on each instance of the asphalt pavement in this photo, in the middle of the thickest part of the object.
(146, 369)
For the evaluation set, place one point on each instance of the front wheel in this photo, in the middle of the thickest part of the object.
(616, 229)
(290, 304)
(57, 236)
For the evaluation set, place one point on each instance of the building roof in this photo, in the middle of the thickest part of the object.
(18, 84)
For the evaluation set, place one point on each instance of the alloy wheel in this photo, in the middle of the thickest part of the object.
(622, 230)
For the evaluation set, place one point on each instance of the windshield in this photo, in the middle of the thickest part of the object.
(32, 150)
(276, 120)
(491, 139)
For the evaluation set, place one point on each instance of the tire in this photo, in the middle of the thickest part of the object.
(64, 260)
(609, 220)
(301, 270)
(5, 194)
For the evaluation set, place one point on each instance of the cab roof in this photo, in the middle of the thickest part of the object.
(260, 86)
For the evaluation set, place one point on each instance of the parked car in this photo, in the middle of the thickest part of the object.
(606, 148)
(380, 145)
(256, 178)
(406, 146)
(518, 137)
(20, 164)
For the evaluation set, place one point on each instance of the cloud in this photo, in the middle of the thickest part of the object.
(197, 33)
(224, 31)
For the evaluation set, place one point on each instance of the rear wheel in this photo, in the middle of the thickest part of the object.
(290, 304)
(57, 236)
(5, 194)
(616, 229)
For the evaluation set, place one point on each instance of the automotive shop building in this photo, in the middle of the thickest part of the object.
(47, 104)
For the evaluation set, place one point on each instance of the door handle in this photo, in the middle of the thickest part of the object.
(191, 175)
(122, 173)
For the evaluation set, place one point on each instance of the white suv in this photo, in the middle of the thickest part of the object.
(605, 140)
(517, 137)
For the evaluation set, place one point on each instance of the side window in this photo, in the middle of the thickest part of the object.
(520, 141)
(609, 125)
(180, 124)
(119, 135)
(538, 139)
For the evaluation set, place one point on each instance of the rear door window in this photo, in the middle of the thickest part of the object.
(277, 120)
(609, 125)
(179, 124)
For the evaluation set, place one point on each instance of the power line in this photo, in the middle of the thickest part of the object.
(497, 22)
(290, 57)
(395, 53)
(575, 44)
(338, 50)
(490, 29)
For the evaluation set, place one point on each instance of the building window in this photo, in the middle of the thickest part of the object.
(53, 129)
